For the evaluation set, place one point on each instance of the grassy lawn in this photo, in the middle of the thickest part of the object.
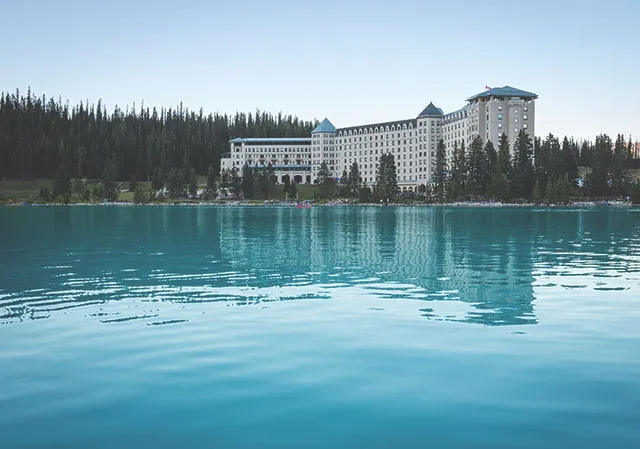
(22, 190)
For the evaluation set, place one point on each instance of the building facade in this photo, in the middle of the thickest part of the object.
(497, 111)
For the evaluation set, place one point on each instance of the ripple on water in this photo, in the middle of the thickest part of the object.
(263, 327)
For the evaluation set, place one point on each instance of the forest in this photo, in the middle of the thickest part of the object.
(37, 135)
(44, 138)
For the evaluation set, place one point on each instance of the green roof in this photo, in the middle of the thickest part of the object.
(431, 111)
(506, 91)
(324, 127)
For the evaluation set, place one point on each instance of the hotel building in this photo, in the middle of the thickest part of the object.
(497, 111)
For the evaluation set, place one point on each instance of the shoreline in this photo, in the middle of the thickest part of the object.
(470, 204)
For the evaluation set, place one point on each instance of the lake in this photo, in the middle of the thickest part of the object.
(329, 327)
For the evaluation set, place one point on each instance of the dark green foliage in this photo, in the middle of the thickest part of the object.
(523, 176)
(38, 134)
(365, 195)
(133, 184)
(175, 186)
(210, 192)
(386, 187)
(247, 182)
(109, 186)
(157, 179)
(264, 186)
(139, 196)
(293, 191)
(635, 194)
(598, 180)
(440, 174)
(234, 182)
(44, 194)
(477, 169)
(323, 174)
(620, 183)
(354, 180)
(457, 181)
(193, 184)
(62, 183)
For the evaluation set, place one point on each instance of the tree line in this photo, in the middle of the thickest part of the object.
(45, 138)
(483, 172)
(38, 136)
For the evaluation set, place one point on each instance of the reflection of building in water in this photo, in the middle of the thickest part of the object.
(481, 257)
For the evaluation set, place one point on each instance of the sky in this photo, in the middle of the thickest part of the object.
(354, 62)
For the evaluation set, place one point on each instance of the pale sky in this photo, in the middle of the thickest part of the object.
(354, 62)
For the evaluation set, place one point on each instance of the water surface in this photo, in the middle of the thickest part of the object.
(335, 327)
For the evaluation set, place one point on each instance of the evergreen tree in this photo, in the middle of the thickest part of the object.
(175, 184)
(62, 183)
(619, 177)
(133, 183)
(522, 179)
(440, 175)
(386, 187)
(457, 184)
(477, 168)
(248, 182)
(491, 172)
(109, 187)
(570, 153)
(598, 180)
(235, 182)
(193, 183)
(157, 179)
(354, 180)
(323, 174)
(210, 192)
(293, 191)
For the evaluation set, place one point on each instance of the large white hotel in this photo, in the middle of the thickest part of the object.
(412, 141)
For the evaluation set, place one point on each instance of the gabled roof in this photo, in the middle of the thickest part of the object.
(506, 91)
(324, 127)
(431, 111)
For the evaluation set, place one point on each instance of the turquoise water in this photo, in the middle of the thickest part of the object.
(340, 327)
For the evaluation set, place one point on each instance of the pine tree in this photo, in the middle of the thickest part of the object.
(210, 192)
(386, 187)
(235, 182)
(193, 184)
(477, 168)
(323, 174)
(247, 182)
(598, 181)
(175, 184)
(619, 177)
(62, 183)
(354, 180)
(109, 187)
(293, 191)
(157, 179)
(491, 172)
(133, 183)
(523, 175)
(440, 175)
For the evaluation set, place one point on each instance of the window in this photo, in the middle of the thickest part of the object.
(525, 126)
(515, 120)
(499, 125)
(499, 116)
(516, 111)
(524, 117)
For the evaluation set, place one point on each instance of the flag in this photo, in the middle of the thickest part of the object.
(487, 87)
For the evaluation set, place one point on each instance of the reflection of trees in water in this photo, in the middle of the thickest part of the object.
(484, 258)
